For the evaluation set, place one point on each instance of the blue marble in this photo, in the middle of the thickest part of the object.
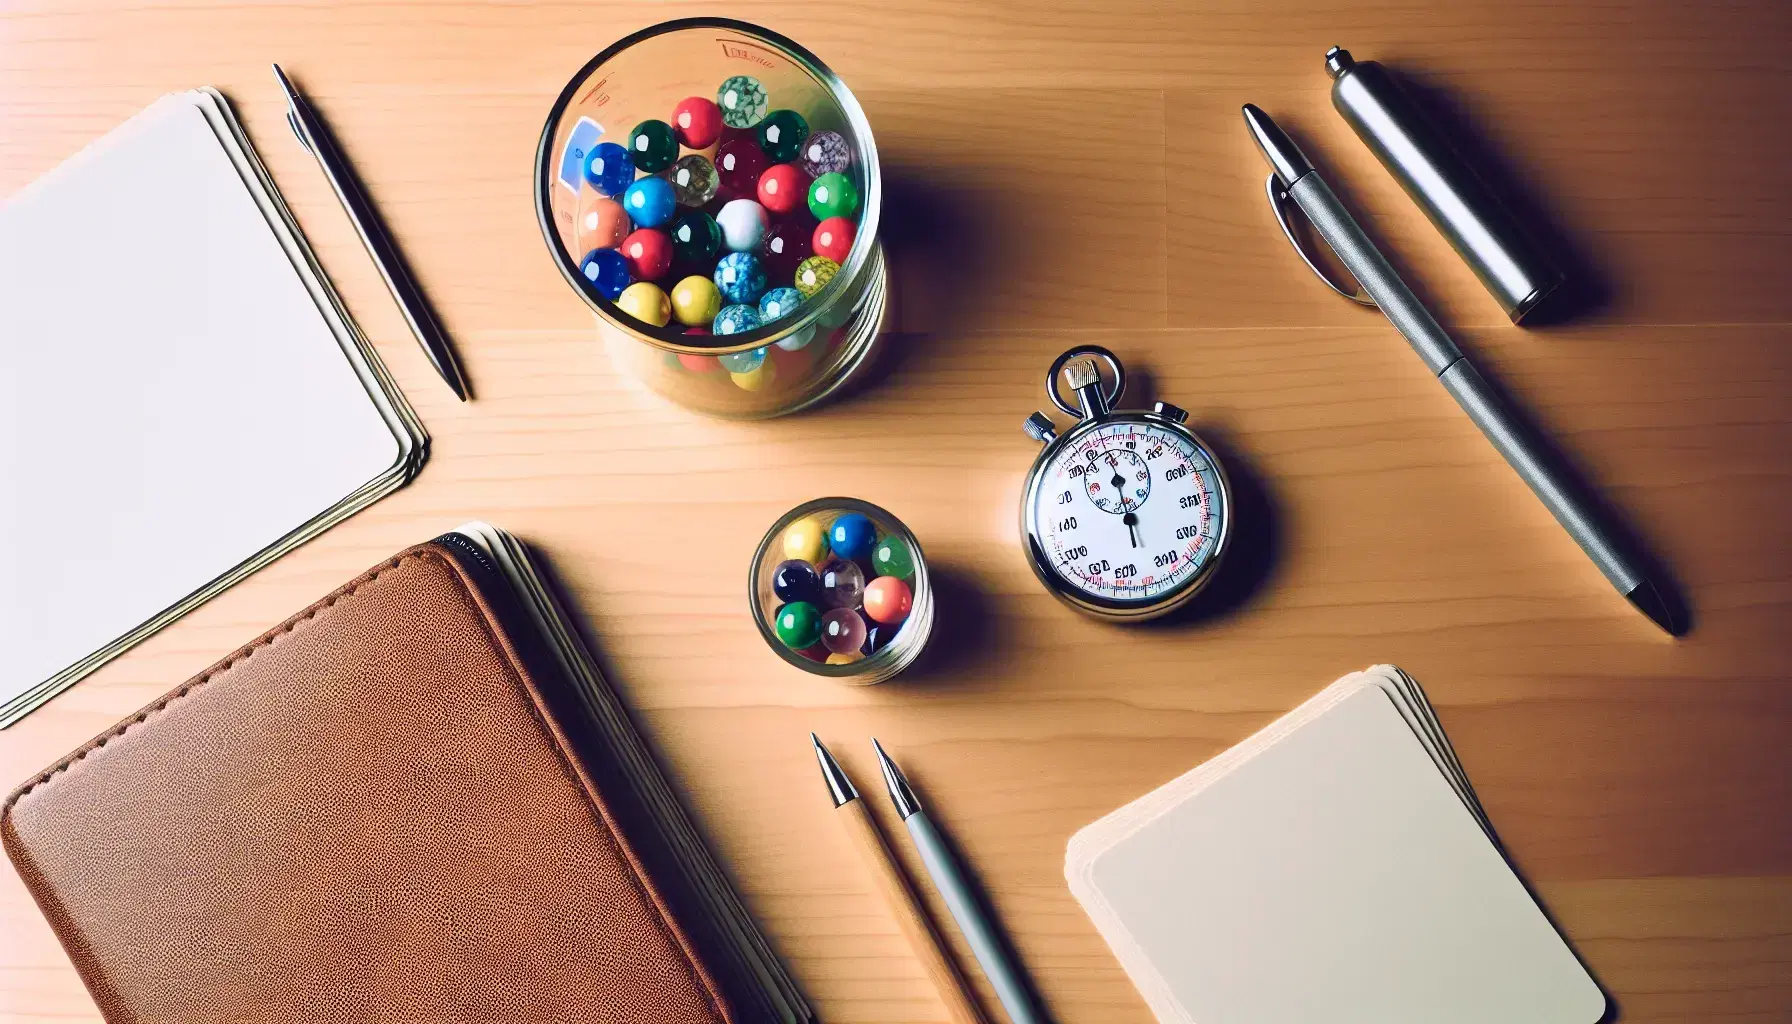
(741, 278)
(650, 202)
(778, 303)
(796, 580)
(607, 271)
(736, 319)
(852, 536)
(609, 168)
(741, 362)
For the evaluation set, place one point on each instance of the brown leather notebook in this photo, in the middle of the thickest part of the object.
(407, 803)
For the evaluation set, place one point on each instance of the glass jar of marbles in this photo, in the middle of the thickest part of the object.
(839, 588)
(711, 190)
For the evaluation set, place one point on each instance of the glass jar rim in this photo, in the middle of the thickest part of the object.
(811, 312)
(888, 660)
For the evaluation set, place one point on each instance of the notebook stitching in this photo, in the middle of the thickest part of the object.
(286, 628)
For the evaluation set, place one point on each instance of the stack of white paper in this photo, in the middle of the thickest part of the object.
(183, 397)
(1334, 867)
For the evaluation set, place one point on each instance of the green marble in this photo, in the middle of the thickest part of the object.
(743, 101)
(891, 557)
(781, 135)
(696, 238)
(798, 625)
(832, 195)
(653, 146)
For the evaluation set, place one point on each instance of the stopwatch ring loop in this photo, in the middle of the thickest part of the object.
(1113, 361)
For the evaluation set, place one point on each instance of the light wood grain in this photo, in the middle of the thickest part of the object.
(1063, 174)
(910, 916)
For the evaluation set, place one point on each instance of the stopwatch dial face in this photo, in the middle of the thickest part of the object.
(1117, 481)
(1129, 512)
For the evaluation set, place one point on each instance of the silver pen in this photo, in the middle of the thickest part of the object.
(318, 141)
(1503, 430)
(961, 898)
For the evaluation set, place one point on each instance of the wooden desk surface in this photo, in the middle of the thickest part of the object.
(1062, 174)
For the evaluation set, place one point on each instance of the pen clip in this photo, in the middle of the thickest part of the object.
(292, 121)
(1284, 207)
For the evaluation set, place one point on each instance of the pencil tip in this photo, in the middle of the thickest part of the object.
(840, 788)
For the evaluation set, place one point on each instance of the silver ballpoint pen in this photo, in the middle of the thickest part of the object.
(318, 141)
(1505, 431)
(961, 899)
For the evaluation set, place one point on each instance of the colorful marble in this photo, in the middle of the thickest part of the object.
(891, 557)
(697, 121)
(779, 303)
(833, 195)
(696, 301)
(743, 101)
(876, 638)
(842, 583)
(699, 364)
(782, 188)
(739, 318)
(786, 246)
(798, 340)
(742, 362)
(826, 153)
(649, 254)
(796, 580)
(845, 658)
(851, 537)
(798, 625)
(739, 163)
(743, 224)
(842, 631)
(806, 540)
(650, 202)
(756, 380)
(607, 271)
(609, 168)
(814, 273)
(653, 145)
(645, 302)
(782, 134)
(887, 600)
(696, 238)
(741, 277)
(833, 238)
(602, 223)
(694, 180)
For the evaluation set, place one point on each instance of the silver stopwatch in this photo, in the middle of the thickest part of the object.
(1127, 513)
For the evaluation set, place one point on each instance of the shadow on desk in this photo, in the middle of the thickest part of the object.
(1585, 291)
(1255, 551)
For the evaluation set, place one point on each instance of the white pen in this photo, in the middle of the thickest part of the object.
(956, 889)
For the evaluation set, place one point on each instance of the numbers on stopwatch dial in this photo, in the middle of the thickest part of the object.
(1116, 480)
(1129, 512)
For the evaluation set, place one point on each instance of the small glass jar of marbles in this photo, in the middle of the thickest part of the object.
(711, 190)
(839, 588)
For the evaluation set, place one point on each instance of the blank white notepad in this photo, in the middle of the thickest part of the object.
(182, 397)
(1334, 867)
